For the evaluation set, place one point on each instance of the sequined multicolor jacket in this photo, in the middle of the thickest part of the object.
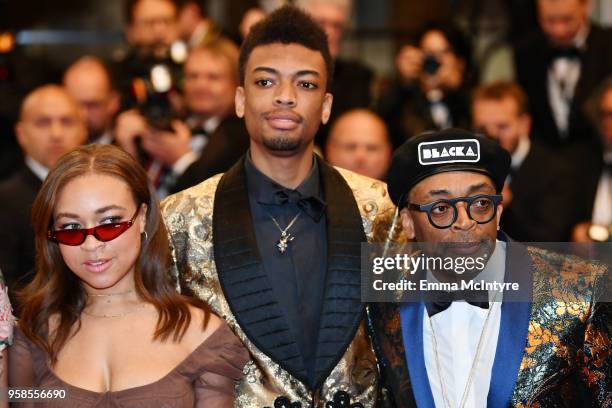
(554, 351)
(216, 258)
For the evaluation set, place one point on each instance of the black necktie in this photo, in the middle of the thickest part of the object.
(312, 206)
(441, 300)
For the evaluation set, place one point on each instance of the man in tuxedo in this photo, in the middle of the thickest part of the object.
(499, 110)
(596, 223)
(273, 245)
(544, 342)
(89, 82)
(210, 138)
(50, 125)
(152, 33)
(561, 67)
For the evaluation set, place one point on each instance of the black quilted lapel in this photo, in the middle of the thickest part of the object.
(242, 277)
(342, 308)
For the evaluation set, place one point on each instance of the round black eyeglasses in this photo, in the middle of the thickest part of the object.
(481, 208)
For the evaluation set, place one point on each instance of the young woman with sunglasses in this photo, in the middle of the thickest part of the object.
(102, 320)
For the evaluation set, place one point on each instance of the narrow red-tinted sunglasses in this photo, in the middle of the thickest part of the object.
(104, 232)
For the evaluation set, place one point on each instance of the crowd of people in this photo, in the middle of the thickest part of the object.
(276, 160)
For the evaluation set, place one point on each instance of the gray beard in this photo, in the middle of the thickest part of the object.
(281, 144)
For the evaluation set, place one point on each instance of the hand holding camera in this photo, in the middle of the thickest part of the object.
(433, 71)
(168, 146)
(409, 62)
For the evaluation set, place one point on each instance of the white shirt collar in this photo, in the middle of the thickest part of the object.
(198, 34)
(521, 152)
(106, 138)
(209, 125)
(38, 169)
(581, 37)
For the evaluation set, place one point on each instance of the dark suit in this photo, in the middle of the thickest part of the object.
(588, 180)
(543, 207)
(217, 258)
(225, 146)
(16, 235)
(551, 352)
(532, 60)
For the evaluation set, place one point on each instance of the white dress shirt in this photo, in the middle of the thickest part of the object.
(519, 156)
(602, 208)
(458, 331)
(563, 75)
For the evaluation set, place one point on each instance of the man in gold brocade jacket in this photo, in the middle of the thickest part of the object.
(273, 245)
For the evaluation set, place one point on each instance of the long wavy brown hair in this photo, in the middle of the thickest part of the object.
(57, 293)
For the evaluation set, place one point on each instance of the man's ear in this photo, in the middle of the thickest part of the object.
(114, 103)
(20, 134)
(239, 101)
(407, 223)
(525, 124)
(500, 209)
(327, 106)
(129, 33)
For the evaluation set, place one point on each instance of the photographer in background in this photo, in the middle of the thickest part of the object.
(205, 141)
(598, 228)
(431, 91)
(152, 32)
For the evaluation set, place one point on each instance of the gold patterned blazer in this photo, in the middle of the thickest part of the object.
(552, 351)
(216, 258)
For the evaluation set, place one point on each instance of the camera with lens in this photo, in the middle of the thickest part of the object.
(431, 64)
(154, 88)
(153, 96)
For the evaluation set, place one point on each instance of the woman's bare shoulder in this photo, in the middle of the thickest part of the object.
(197, 330)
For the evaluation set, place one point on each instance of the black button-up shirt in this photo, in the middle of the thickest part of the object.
(298, 275)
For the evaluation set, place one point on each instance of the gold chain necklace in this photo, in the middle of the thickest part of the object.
(116, 315)
(110, 294)
(468, 384)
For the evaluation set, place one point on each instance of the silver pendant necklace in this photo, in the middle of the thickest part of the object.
(285, 237)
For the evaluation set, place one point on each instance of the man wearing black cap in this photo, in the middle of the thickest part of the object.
(546, 344)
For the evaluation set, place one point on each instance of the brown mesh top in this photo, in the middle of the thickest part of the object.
(205, 378)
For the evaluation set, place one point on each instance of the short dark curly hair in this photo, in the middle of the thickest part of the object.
(287, 25)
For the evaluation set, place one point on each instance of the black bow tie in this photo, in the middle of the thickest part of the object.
(312, 206)
(198, 131)
(441, 300)
(569, 52)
